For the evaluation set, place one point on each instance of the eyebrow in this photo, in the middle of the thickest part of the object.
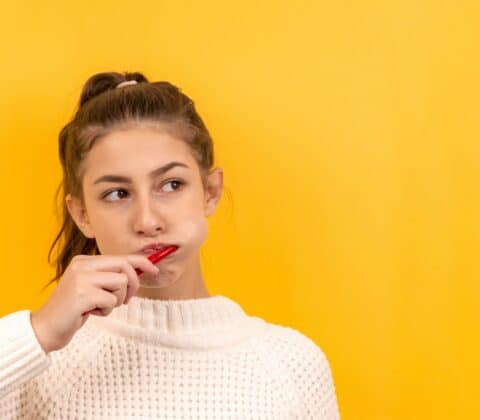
(153, 174)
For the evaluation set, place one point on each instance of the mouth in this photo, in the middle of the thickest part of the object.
(152, 249)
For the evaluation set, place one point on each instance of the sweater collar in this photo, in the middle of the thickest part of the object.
(212, 321)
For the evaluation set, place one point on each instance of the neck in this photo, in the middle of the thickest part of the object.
(189, 284)
(215, 321)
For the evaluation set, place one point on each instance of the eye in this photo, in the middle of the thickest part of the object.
(111, 192)
(175, 181)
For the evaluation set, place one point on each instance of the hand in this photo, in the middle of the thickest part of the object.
(91, 285)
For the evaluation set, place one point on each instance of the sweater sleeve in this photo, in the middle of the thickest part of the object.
(310, 371)
(21, 355)
(317, 386)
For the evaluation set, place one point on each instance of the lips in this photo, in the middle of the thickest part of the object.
(155, 247)
(158, 256)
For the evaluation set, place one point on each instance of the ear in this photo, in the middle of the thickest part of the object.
(214, 190)
(79, 215)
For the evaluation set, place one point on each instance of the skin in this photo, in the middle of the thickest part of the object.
(146, 210)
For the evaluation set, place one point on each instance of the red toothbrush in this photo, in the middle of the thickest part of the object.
(160, 255)
(154, 258)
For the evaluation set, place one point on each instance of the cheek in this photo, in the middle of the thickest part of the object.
(192, 233)
(110, 233)
(107, 241)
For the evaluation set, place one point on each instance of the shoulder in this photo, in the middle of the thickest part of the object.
(304, 368)
(294, 346)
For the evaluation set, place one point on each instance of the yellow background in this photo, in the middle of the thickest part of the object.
(348, 133)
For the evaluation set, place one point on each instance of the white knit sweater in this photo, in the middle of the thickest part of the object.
(166, 359)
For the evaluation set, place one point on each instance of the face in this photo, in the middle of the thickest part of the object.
(127, 205)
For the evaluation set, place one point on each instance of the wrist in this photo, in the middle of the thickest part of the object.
(39, 330)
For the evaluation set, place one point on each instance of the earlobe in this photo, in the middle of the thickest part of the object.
(79, 215)
(214, 191)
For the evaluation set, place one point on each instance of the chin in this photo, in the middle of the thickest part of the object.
(164, 278)
(156, 285)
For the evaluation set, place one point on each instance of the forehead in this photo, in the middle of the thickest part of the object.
(134, 152)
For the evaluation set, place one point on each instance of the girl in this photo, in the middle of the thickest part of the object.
(138, 175)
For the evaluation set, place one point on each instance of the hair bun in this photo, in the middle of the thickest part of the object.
(101, 82)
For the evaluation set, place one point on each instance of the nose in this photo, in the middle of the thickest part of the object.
(146, 217)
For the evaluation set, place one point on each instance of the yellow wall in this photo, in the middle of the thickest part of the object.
(349, 136)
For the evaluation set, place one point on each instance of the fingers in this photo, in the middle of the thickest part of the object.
(142, 262)
(105, 302)
(124, 264)
(111, 261)
(115, 283)
(132, 283)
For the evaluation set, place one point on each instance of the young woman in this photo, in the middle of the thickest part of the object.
(138, 175)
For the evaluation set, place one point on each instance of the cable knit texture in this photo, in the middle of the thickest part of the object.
(166, 359)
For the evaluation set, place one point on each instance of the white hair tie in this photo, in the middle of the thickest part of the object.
(127, 82)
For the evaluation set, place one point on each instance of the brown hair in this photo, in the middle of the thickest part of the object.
(102, 108)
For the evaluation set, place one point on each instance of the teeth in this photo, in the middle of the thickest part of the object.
(155, 249)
